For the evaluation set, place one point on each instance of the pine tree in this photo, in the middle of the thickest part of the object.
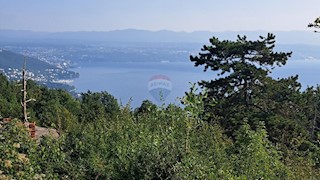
(242, 68)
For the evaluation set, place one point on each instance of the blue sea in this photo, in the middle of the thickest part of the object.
(128, 81)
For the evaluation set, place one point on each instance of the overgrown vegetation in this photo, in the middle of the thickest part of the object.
(243, 125)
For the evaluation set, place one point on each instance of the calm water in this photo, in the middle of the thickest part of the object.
(130, 80)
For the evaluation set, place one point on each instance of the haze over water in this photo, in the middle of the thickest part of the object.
(130, 80)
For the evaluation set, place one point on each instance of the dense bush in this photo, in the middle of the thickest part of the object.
(161, 143)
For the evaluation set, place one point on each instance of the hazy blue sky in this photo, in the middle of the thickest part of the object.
(178, 15)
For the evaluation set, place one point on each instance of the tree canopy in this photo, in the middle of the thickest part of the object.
(244, 91)
(315, 24)
(241, 65)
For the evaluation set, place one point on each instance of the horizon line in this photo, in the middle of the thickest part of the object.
(154, 31)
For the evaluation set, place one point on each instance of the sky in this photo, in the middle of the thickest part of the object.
(176, 15)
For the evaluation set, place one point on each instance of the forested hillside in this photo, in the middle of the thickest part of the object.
(241, 125)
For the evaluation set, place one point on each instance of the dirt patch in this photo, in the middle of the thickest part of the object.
(41, 131)
(36, 132)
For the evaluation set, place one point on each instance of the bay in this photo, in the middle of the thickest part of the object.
(128, 81)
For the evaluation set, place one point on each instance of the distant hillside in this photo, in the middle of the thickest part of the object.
(42, 72)
(133, 35)
(10, 59)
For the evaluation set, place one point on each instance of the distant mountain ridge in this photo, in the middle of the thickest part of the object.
(134, 35)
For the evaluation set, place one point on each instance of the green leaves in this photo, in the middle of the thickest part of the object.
(15, 148)
(244, 96)
(97, 105)
(255, 157)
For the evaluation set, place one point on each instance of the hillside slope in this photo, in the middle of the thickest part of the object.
(10, 59)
